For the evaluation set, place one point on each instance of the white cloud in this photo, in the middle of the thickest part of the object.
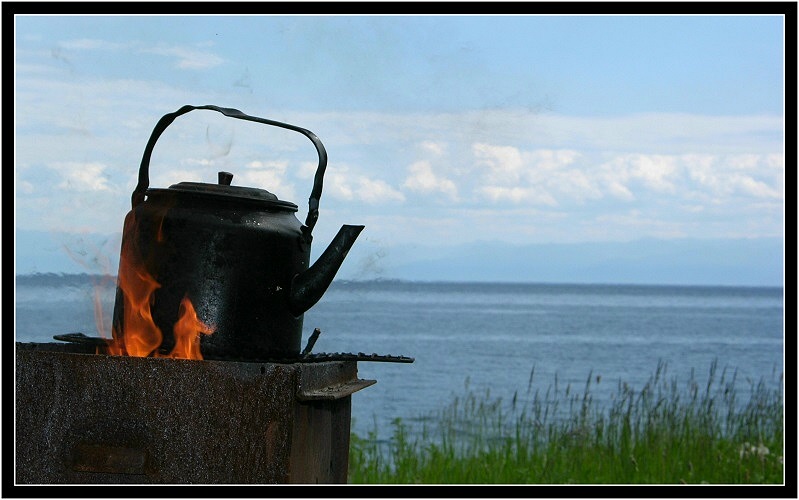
(554, 177)
(344, 185)
(519, 161)
(202, 162)
(698, 162)
(578, 185)
(619, 190)
(25, 187)
(338, 187)
(187, 57)
(504, 163)
(752, 187)
(270, 180)
(724, 176)
(376, 191)
(550, 159)
(776, 161)
(435, 148)
(656, 174)
(659, 163)
(275, 165)
(307, 170)
(81, 176)
(656, 171)
(517, 195)
(540, 176)
(92, 44)
(744, 162)
(423, 180)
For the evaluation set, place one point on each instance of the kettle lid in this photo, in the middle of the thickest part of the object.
(225, 192)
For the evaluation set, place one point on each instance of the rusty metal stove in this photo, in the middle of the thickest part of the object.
(90, 418)
(234, 257)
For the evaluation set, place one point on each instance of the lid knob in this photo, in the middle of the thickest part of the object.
(225, 178)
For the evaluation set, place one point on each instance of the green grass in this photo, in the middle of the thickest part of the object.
(660, 434)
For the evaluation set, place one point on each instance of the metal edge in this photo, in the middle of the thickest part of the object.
(334, 392)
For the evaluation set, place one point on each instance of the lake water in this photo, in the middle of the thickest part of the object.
(491, 336)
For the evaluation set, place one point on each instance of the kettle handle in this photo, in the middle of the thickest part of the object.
(144, 174)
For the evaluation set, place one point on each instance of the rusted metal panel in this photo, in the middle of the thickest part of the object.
(321, 441)
(96, 419)
(111, 459)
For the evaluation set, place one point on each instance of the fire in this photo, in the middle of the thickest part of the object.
(139, 335)
(187, 332)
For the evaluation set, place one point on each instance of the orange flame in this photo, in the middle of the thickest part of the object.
(139, 335)
(187, 332)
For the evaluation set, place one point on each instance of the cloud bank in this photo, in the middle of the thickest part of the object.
(508, 174)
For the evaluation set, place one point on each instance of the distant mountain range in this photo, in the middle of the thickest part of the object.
(755, 262)
(735, 262)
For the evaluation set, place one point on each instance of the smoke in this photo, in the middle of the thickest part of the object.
(59, 55)
(370, 266)
(94, 256)
(218, 148)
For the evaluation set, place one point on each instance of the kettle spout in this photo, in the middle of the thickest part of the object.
(309, 286)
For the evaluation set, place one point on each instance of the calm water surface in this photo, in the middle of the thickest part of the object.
(490, 337)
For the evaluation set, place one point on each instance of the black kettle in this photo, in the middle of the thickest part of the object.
(238, 255)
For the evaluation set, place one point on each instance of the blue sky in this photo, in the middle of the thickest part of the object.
(439, 129)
